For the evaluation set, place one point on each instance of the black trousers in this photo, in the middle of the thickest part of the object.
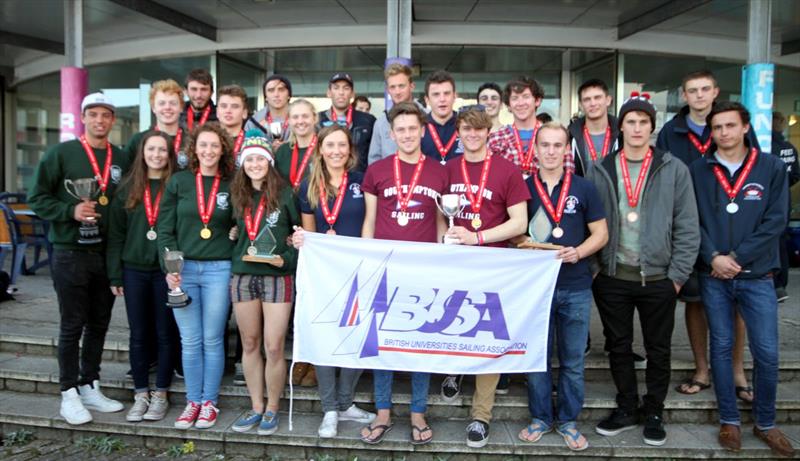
(782, 275)
(616, 301)
(84, 303)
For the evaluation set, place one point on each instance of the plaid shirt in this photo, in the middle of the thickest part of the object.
(503, 143)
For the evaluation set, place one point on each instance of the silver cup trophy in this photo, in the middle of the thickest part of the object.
(85, 189)
(276, 129)
(450, 205)
(173, 261)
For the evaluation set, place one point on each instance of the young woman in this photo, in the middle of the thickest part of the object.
(134, 272)
(196, 217)
(331, 201)
(262, 291)
(293, 158)
(490, 96)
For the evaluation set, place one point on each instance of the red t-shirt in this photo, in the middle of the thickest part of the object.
(379, 181)
(504, 188)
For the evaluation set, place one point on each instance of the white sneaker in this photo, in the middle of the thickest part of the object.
(330, 423)
(139, 408)
(93, 399)
(157, 409)
(72, 409)
(356, 414)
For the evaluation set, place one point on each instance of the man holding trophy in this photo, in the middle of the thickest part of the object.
(72, 187)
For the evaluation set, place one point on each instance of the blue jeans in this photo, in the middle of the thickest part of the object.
(569, 323)
(420, 382)
(202, 326)
(758, 307)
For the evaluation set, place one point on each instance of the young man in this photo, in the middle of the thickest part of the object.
(166, 97)
(514, 142)
(742, 199)
(200, 109)
(361, 103)
(495, 212)
(232, 113)
(653, 243)
(79, 266)
(490, 96)
(565, 210)
(595, 134)
(788, 153)
(400, 86)
(441, 138)
(273, 119)
(341, 91)
(400, 197)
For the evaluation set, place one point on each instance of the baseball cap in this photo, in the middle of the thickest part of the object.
(97, 99)
(338, 76)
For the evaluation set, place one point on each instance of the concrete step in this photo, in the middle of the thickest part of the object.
(39, 374)
(684, 441)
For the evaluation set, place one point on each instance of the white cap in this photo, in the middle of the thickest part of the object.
(97, 99)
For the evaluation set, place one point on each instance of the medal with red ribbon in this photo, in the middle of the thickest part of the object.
(295, 173)
(203, 118)
(331, 216)
(443, 150)
(102, 181)
(587, 137)
(475, 203)
(176, 141)
(206, 208)
(558, 211)
(237, 144)
(732, 192)
(348, 116)
(151, 212)
(702, 148)
(633, 195)
(284, 125)
(252, 224)
(526, 160)
(402, 200)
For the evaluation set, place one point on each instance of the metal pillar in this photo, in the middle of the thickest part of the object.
(759, 31)
(74, 78)
(73, 33)
(758, 75)
(398, 36)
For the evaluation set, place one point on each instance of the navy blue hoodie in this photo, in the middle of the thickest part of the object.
(751, 234)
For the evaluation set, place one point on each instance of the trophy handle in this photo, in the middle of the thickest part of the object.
(439, 205)
(70, 186)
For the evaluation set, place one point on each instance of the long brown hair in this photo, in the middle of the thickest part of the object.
(319, 178)
(137, 179)
(226, 161)
(242, 190)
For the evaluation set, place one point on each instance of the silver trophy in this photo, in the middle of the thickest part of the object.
(276, 130)
(450, 205)
(173, 261)
(85, 189)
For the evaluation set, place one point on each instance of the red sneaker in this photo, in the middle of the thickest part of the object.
(188, 417)
(208, 416)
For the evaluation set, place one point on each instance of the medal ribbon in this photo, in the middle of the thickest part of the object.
(203, 118)
(176, 143)
(330, 217)
(633, 196)
(151, 209)
(102, 181)
(401, 200)
(723, 181)
(206, 209)
(296, 176)
(526, 162)
(702, 148)
(555, 213)
(252, 227)
(473, 202)
(443, 150)
(348, 116)
(284, 125)
(590, 144)
(237, 145)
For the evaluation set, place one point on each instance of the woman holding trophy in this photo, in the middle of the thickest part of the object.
(262, 286)
(134, 271)
(293, 159)
(331, 201)
(196, 217)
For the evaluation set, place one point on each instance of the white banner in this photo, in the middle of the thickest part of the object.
(407, 306)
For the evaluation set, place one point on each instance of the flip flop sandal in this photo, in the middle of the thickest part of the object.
(740, 389)
(420, 430)
(536, 429)
(384, 428)
(689, 383)
(571, 434)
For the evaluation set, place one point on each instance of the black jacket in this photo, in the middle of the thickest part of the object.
(361, 130)
(583, 160)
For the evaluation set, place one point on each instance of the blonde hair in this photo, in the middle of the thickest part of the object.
(296, 103)
(319, 177)
(168, 86)
(397, 69)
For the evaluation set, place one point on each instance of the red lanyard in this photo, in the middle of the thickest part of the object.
(526, 162)
(296, 176)
(403, 200)
(473, 202)
(102, 181)
(203, 118)
(555, 213)
(633, 196)
(702, 148)
(283, 126)
(348, 116)
(330, 217)
(443, 150)
(237, 145)
(176, 142)
(590, 144)
(151, 209)
(252, 228)
(732, 192)
(206, 209)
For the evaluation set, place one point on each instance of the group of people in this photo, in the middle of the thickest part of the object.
(698, 216)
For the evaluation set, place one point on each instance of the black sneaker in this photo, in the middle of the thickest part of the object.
(619, 421)
(451, 388)
(502, 385)
(477, 434)
(654, 433)
(238, 375)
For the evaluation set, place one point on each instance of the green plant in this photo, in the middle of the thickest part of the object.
(20, 437)
(105, 445)
(185, 448)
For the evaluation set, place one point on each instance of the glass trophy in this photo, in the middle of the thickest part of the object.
(539, 227)
(85, 189)
(262, 249)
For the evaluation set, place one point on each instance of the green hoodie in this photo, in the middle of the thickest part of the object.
(283, 161)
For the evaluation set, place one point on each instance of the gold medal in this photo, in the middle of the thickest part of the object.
(205, 233)
(476, 222)
(252, 250)
(402, 219)
(103, 200)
